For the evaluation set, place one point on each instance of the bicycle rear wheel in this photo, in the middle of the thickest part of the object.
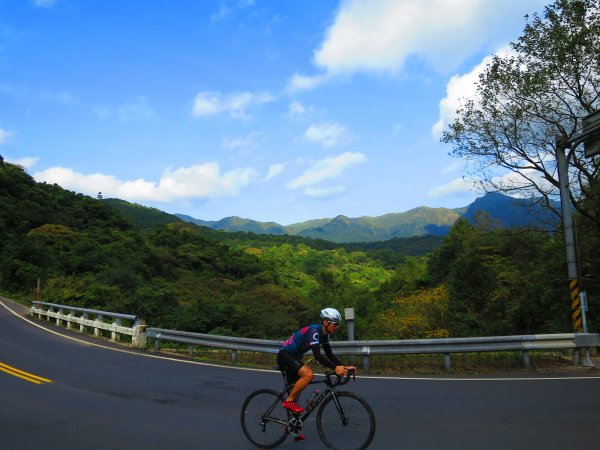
(263, 419)
(351, 426)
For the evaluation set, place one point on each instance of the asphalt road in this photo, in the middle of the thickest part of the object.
(103, 398)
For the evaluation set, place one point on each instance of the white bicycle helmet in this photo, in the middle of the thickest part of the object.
(331, 314)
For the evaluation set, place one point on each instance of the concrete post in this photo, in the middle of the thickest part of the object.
(447, 362)
(97, 331)
(139, 338)
(526, 360)
(82, 326)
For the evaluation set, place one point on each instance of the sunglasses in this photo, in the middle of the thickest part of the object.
(335, 324)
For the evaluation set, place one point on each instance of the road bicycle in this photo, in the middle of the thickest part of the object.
(344, 420)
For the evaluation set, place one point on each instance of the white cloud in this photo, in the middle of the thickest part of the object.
(44, 3)
(327, 168)
(3, 136)
(135, 109)
(381, 35)
(460, 87)
(453, 167)
(274, 170)
(522, 182)
(210, 103)
(305, 82)
(223, 12)
(327, 134)
(102, 112)
(27, 161)
(324, 192)
(398, 128)
(296, 109)
(200, 181)
(62, 98)
(456, 186)
(228, 11)
(248, 142)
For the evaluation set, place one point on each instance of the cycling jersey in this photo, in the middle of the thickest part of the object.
(305, 338)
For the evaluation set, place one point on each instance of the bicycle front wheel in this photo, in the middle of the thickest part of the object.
(263, 419)
(348, 424)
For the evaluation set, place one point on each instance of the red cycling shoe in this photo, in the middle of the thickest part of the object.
(300, 437)
(293, 407)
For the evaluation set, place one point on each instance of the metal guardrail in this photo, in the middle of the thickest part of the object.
(139, 334)
(93, 319)
(525, 344)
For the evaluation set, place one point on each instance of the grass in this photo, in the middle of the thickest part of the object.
(414, 364)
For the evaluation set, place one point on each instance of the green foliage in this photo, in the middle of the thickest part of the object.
(142, 216)
(178, 275)
(502, 282)
(588, 237)
(421, 314)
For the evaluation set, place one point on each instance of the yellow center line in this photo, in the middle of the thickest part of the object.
(23, 375)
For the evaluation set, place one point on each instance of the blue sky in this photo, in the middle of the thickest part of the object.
(274, 110)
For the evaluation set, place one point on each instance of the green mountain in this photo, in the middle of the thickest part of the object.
(297, 228)
(500, 209)
(247, 233)
(341, 229)
(252, 226)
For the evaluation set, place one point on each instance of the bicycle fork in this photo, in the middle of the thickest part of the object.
(338, 406)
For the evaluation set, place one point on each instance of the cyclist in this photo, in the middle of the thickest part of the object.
(310, 337)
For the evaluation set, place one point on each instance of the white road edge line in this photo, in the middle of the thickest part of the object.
(198, 363)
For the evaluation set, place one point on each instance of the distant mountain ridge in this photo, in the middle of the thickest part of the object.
(502, 210)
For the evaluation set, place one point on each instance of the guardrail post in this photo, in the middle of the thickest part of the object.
(156, 343)
(48, 315)
(97, 332)
(234, 355)
(69, 319)
(139, 338)
(349, 316)
(576, 357)
(447, 362)
(82, 326)
(526, 360)
(114, 336)
(365, 352)
(60, 313)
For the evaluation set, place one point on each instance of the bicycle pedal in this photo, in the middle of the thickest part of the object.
(299, 438)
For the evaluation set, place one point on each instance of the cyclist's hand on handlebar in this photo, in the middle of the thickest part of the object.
(344, 371)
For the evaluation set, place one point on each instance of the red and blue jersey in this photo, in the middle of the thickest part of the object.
(305, 338)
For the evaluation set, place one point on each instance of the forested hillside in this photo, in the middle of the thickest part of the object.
(179, 275)
(502, 210)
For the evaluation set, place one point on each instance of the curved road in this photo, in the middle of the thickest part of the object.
(87, 396)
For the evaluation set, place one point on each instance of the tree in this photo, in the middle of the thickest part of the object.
(530, 102)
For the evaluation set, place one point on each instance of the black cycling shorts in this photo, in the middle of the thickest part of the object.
(290, 364)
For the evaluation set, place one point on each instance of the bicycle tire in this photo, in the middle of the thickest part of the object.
(264, 433)
(359, 430)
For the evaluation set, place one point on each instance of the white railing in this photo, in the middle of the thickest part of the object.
(83, 319)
